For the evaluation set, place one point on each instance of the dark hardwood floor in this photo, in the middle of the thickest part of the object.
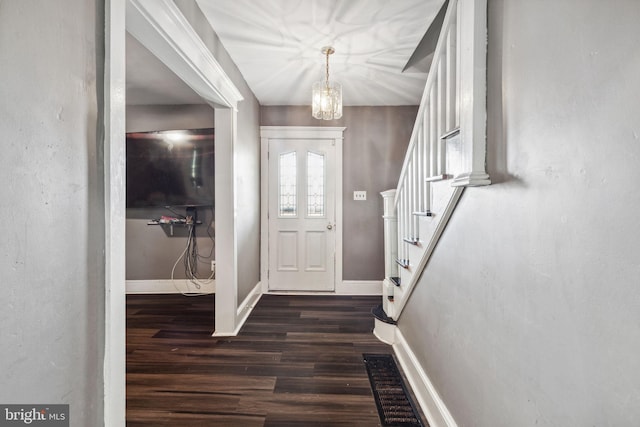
(296, 362)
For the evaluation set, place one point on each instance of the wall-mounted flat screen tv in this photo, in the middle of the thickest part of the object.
(170, 168)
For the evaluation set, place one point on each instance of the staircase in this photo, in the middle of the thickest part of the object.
(446, 153)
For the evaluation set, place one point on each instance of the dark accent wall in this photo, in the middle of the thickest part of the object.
(375, 142)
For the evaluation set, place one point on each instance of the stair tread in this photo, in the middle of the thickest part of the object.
(378, 313)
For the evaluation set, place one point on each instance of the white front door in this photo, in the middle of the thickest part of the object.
(301, 214)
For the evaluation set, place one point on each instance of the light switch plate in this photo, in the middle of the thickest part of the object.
(359, 195)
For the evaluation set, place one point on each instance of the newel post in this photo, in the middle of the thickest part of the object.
(390, 233)
(390, 246)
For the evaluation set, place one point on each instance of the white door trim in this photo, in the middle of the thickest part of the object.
(159, 25)
(162, 28)
(114, 362)
(297, 132)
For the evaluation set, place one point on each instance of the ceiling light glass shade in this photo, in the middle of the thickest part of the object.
(326, 96)
(326, 100)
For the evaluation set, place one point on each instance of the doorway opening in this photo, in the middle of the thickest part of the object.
(163, 30)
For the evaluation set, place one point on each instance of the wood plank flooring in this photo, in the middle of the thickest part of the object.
(296, 362)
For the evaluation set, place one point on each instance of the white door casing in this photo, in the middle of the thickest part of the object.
(301, 215)
(160, 26)
(301, 209)
(148, 19)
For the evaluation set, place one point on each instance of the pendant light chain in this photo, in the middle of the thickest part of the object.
(327, 55)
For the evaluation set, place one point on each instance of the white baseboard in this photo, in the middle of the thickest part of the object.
(244, 310)
(359, 287)
(385, 332)
(346, 287)
(169, 286)
(428, 398)
(249, 303)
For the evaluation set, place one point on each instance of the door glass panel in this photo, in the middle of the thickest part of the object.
(288, 188)
(315, 184)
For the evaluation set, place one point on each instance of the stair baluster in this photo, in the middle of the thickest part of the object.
(448, 141)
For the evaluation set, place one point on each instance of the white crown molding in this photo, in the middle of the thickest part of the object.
(162, 28)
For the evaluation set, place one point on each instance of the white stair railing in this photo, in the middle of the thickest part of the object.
(446, 152)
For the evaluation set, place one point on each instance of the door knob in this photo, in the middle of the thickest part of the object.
(329, 227)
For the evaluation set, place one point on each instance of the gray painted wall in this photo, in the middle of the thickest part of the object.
(529, 311)
(152, 250)
(51, 202)
(375, 142)
(141, 118)
(247, 151)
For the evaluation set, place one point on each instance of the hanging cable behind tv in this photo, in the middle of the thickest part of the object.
(190, 256)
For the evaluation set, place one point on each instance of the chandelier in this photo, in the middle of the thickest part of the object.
(326, 95)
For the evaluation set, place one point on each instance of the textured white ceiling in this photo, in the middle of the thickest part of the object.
(276, 45)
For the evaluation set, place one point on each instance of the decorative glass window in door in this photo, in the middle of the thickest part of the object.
(288, 200)
(315, 184)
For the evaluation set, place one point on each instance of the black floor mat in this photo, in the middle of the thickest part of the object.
(395, 406)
